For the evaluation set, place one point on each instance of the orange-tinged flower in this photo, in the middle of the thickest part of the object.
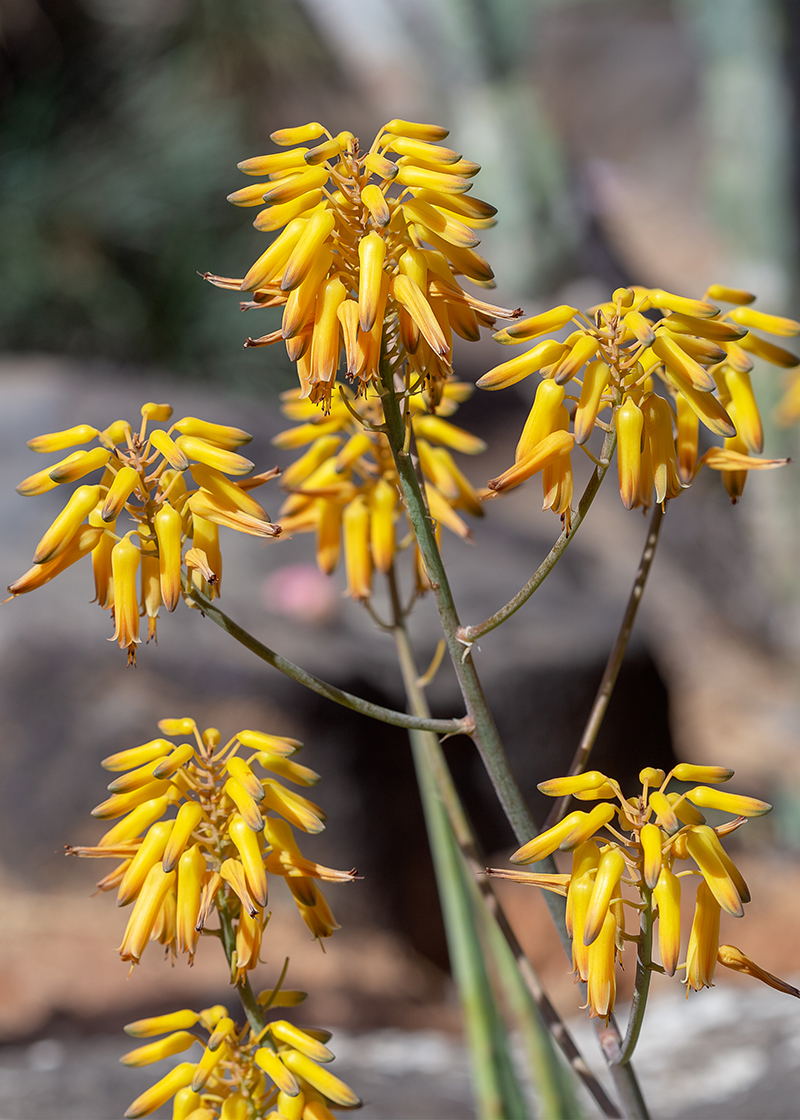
(731, 957)
(701, 956)
(125, 559)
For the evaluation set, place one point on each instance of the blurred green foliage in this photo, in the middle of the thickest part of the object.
(121, 127)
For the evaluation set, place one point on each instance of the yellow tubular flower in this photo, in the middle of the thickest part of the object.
(124, 565)
(557, 478)
(601, 987)
(145, 912)
(547, 842)
(149, 853)
(382, 513)
(189, 816)
(248, 942)
(576, 357)
(169, 533)
(205, 538)
(586, 827)
(609, 873)
(61, 533)
(565, 787)
(58, 441)
(650, 838)
(84, 541)
(150, 586)
(522, 366)
(372, 254)
(246, 840)
(125, 482)
(629, 422)
(701, 956)
(291, 1108)
(552, 447)
(687, 439)
(687, 772)
(79, 465)
(321, 1079)
(134, 823)
(244, 803)
(160, 1093)
(120, 803)
(728, 802)
(542, 418)
(162, 1024)
(667, 896)
(156, 1051)
(665, 815)
(703, 852)
(663, 457)
(41, 482)
(356, 526)
(578, 897)
(283, 1031)
(239, 769)
(596, 378)
(186, 1103)
(272, 1065)
(191, 870)
(206, 1066)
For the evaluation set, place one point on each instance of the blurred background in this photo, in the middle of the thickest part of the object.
(623, 141)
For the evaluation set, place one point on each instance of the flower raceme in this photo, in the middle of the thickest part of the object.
(371, 245)
(617, 354)
(231, 830)
(280, 1072)
(144, 479)
(653, 844)
(345, 488)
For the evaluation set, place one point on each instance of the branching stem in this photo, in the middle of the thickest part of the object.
(613, 665)
(644, 970)
(472, 633)
(338, 695)
(467, 842)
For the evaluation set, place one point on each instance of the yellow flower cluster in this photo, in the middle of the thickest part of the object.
(345, 487)
(371, 244)
(649, 838)
(231, 829)
(145, 477)
(700, 356)
(240, 1076)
